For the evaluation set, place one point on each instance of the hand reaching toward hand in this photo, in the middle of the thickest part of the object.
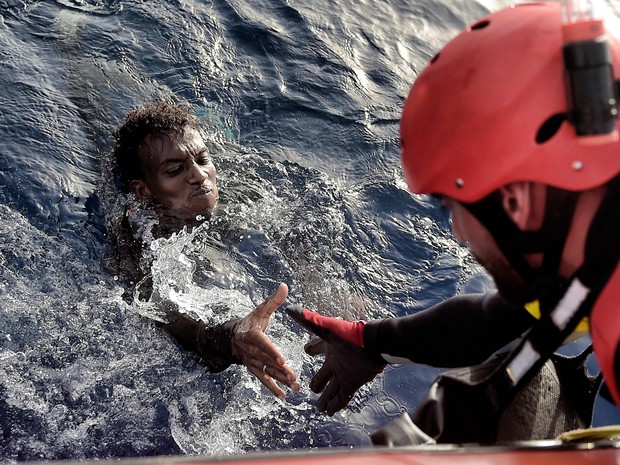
(346, 368)
(257, 352)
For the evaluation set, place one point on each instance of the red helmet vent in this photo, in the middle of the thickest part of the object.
(480, 25)
(550, 127)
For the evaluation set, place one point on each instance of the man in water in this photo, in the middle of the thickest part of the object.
(530, 176)
(163, 160)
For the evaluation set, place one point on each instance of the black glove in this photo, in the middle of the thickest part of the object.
(347, 366)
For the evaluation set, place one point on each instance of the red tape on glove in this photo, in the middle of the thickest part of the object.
(350, 331)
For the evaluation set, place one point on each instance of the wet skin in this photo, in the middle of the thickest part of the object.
(178, 174)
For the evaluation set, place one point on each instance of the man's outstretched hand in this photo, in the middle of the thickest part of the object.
(257, 352)
(346, 368)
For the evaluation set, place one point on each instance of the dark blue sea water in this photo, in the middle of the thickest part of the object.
(302, 99)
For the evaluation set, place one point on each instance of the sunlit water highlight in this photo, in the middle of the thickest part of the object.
(302, 100)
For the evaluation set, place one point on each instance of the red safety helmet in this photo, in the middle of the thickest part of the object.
(471, 120)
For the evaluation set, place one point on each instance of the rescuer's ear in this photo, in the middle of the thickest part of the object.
(524, 203)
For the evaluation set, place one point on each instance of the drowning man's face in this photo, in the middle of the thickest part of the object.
(178, 174)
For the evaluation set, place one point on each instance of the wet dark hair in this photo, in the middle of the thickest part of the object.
(161, 117)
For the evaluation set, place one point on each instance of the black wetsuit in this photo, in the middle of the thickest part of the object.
(459, 332)
(211, 344)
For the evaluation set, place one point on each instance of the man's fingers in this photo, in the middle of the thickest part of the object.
(284, 374)
(315, 346)
(267, 375)
(338, 402)
(256, 350)
(270, 305)
(328, 399)
(280, 295)
(259, 346)
(322, 377)
(271, 385)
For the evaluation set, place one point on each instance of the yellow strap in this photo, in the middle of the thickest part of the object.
(582, 328)
(533, 308)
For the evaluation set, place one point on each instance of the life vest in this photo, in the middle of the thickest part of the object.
(605, 332)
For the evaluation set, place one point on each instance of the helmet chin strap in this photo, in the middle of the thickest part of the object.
(542, 283)
(575, 300)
